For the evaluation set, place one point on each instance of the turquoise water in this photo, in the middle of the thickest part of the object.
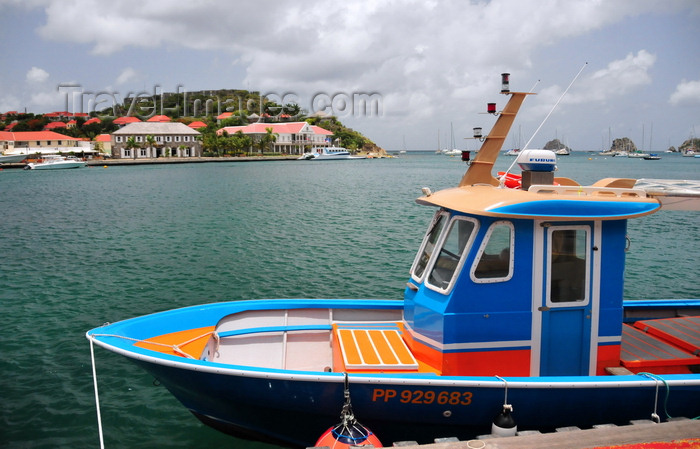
(84, 247)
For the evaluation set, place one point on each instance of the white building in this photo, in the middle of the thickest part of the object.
(292, 137)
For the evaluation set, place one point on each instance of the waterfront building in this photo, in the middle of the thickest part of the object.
(172, 139)
(106, 141)
(292, 137)
(41, 142)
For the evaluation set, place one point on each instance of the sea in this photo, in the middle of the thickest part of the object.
(88, 246)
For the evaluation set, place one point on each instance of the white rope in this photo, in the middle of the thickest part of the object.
(654, 415)
(505, 400)
(503, 178)
(97, 396)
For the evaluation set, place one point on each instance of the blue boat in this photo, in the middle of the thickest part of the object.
(513, 318)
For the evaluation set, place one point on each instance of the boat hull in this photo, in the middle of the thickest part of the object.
(295, 407)
(57, 166)
(12, 159)
(295, 410)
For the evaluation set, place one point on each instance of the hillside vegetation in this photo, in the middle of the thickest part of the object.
(244, 107)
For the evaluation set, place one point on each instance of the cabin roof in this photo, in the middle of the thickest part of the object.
(560, 204)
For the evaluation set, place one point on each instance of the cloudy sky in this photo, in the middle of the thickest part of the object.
(424, 67)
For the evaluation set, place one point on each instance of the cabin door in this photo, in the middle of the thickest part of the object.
(565, 298)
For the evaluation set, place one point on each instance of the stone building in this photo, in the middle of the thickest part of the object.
(169, 140)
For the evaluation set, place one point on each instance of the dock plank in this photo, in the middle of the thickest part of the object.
(585, 439)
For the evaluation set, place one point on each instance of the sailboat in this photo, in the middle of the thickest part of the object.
(452, 151)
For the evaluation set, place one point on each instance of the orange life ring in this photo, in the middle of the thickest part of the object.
(512, 181)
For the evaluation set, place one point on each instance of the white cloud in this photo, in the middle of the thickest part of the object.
(687, 93)
(127, 75)
(426, 59)
(37, 75)
(9, 102)
(48, 100)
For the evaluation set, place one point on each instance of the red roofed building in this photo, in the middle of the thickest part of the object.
(92, 120)
(53, 125)
(106, 141)
(122, 121)
(292, 137)
(44, 142)
(62, 115)
(197, 125)
(224, 116)
(159, 119)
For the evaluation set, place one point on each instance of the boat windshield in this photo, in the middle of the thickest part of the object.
(429, 242)
(457, 240)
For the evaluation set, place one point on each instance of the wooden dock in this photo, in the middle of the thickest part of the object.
(639, 434)
(574, 438)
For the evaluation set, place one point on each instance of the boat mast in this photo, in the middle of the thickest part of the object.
(479, 171)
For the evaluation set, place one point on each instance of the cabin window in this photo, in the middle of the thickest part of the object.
(449, 257)
(494, 262)
(429, 242)
(568, 265)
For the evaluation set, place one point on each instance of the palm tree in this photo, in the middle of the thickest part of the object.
(132, 145)
(269, 138)
(151, 142)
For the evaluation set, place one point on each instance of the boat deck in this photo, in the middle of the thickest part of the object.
(668, 345)
(660, 346)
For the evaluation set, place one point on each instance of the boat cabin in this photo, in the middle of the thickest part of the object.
(525, 281)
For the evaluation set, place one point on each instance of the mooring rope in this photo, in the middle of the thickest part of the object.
(505, 400)
(657, 379)
(97, 396)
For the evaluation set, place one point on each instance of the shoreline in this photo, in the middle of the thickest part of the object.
(166, 160)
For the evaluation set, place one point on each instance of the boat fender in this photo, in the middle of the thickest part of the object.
(349, 432)
(341, 437)
(503, 424)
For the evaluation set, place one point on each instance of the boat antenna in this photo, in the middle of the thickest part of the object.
(502, 180)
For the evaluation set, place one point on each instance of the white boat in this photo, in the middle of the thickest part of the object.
(328, 154)
(55, 162)
(638, 155)
(513, 152)
(562, 152)
(12, 158)
(452, 152)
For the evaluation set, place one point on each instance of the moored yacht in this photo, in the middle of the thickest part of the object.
(54, 162)
(328, 154)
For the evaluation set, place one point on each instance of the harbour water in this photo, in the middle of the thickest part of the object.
(88, 246)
